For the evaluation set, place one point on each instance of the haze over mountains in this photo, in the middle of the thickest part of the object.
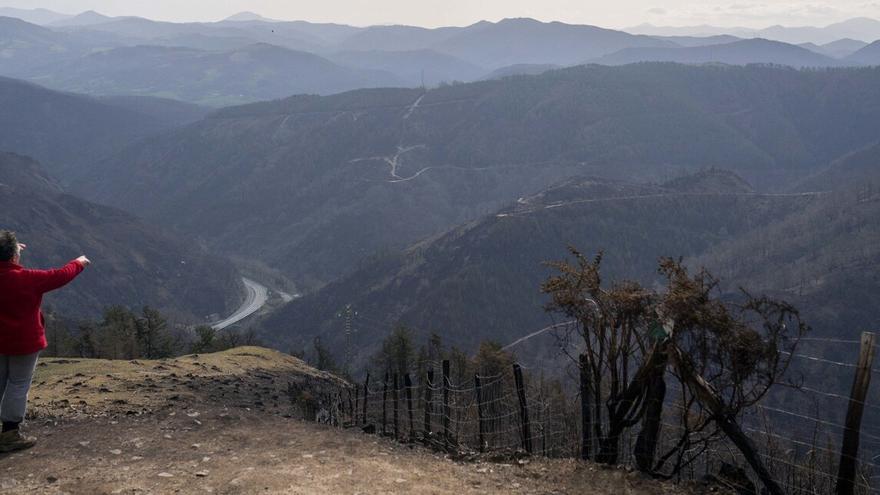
(353, 170)
(859, 28)
(320, 168)
(66, 132)
(329, 190)
(248, 58)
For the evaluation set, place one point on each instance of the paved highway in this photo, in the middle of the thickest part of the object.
(257, 295)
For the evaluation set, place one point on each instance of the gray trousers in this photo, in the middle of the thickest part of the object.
(16, 373)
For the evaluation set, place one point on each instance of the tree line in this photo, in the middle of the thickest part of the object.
(122, 333)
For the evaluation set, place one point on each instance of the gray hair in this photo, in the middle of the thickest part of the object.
(8, 245)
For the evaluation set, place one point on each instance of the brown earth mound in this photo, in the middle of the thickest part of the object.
(224, 423)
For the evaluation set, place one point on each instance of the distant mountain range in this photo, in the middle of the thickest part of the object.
(435, 205)
(247, 58)
(860, 28)
(216, 78)
(837, 49)
(249, 17)
(742, 52)
(34, 16)
(88, 18)
(135, 264)
(324, 171)
(68, 132)
(867, 55)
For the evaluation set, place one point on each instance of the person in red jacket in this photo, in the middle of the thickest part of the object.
(22, 334)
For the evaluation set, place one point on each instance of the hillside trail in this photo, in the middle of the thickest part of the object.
(219, 423)
(525, 208)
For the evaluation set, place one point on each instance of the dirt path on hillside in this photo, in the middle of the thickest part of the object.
(217, 424)
(234, 452)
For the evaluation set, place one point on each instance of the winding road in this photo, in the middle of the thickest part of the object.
(537, 208)
(257, 295)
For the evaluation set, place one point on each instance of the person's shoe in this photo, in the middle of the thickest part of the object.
(13, 440)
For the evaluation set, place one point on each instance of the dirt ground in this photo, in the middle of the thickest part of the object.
(216, 424)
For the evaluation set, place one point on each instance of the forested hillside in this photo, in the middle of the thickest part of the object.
(482, 280)
(303, 183)
(134, 264)
(68, 133)
(244, 74)
(824, 257)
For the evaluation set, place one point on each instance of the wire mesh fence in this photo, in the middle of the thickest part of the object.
(796, 430)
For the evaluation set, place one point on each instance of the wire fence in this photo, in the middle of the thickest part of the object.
(797, 429)
(482, 415)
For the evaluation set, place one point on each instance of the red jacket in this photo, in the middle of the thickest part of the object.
(21, 293)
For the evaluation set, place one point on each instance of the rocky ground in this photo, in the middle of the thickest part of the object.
(221, 423)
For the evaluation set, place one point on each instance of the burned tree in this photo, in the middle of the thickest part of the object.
(725, 357)
(613, 326)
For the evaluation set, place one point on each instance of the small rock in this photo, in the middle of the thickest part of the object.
(115, 451)
(165, 475)
(308, 456)
(400, 480)
(201, 474)
(51, 479)
(85, 443)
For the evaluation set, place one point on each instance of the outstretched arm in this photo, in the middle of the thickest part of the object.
(48, 280)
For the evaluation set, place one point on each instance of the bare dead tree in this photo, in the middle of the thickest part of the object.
(725, 356)
(612, 324)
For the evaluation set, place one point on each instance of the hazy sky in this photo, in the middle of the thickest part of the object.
(616, 13)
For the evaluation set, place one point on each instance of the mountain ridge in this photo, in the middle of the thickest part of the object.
(741, 52)
(320, 168)
(66, 131)
(136, 264)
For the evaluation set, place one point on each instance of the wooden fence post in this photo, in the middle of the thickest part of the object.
(407, 382)
(523, 408)
(446, 411)
(481, 427)
(352, 410)
(586, 412)
(396, 399)
(366, 395)
(385, 405)
(357, 403)
(429, 404)
(849, 451)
